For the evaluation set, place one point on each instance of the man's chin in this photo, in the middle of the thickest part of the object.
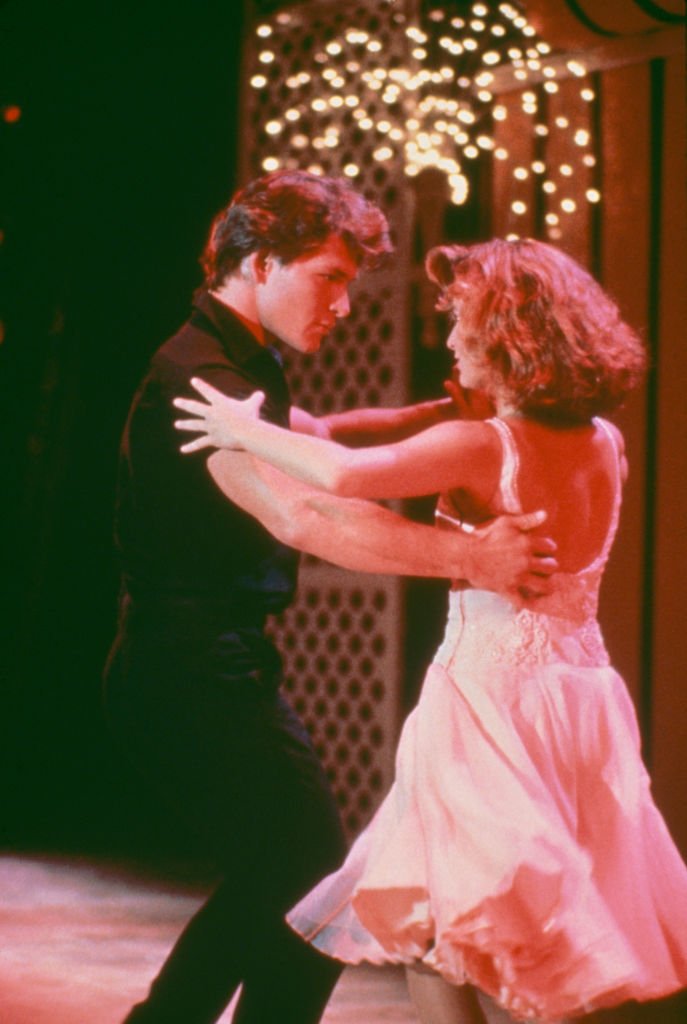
(310, 345)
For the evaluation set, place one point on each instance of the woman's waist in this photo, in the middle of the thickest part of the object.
(487, 627)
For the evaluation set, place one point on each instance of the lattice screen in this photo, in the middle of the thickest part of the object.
(341, 650)
(341, 640)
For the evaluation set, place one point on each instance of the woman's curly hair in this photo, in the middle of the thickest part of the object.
(289, 213)
(553, 336)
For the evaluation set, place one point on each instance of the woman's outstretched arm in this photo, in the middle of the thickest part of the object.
(448, 455)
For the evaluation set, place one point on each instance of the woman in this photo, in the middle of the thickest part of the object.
(518, 853)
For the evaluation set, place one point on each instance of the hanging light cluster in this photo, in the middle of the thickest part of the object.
(437, 106)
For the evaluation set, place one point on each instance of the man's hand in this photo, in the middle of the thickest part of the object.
(468, 404)
(509, 559)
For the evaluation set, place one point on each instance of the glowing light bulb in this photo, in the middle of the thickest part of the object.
(518, 207)
(576, 68)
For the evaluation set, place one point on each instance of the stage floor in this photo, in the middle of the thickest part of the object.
(80, 941)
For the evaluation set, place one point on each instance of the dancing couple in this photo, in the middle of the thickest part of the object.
(518, 866)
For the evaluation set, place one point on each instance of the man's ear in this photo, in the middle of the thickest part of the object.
(256, 266)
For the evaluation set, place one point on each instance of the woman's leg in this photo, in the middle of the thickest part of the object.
(439, 1002)
(495, 1014)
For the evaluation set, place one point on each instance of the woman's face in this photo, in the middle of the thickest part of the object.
(473, 370)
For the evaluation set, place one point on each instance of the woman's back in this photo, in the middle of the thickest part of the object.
(575, 474)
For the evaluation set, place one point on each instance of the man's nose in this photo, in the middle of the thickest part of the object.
(341, 306)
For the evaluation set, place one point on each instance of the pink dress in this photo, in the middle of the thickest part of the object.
(519, 847)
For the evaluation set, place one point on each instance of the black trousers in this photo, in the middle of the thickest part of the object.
(196, 706)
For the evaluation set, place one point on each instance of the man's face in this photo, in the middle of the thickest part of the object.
(300, 301)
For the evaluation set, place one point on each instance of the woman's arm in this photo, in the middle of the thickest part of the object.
(448, 455)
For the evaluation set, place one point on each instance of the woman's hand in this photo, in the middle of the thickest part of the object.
(220, 420)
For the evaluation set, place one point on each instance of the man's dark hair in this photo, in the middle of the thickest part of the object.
(289, 213)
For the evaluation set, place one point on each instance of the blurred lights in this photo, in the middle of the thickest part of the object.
(436, 115)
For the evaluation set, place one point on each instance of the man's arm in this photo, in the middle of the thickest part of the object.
(358, 428)
(366, 537)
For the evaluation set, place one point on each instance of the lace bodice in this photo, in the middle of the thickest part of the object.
(561, 625)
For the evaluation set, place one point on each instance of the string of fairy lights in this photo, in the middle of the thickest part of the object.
(438, 106)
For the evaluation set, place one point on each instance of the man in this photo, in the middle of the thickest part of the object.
(192, 681)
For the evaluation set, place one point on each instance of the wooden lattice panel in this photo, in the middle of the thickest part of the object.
(341, 666)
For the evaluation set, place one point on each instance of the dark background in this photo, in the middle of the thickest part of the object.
(125, 148)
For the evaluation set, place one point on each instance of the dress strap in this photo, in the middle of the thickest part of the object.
(617, 499)
(509, 468)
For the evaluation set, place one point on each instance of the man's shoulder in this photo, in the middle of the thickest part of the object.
(189, 344)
